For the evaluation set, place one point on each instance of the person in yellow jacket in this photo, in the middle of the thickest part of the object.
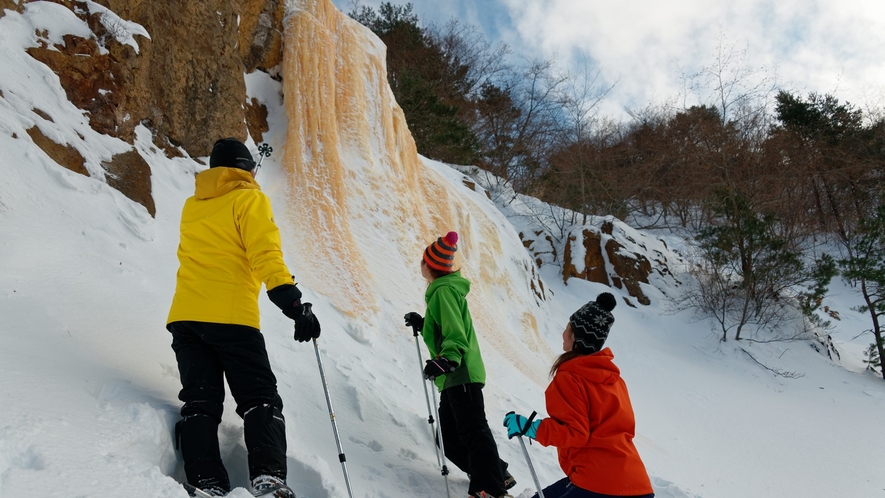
(229, 246)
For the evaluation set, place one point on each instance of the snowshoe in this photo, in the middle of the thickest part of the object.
(208, 492)
(271, 487)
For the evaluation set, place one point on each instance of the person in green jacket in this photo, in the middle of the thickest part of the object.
(457, 369)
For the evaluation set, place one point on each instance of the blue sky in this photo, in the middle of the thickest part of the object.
(645, 46)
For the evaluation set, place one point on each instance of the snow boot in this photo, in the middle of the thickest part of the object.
(271, 487)
(509, 480)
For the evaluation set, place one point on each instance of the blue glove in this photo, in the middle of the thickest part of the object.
(517, 425)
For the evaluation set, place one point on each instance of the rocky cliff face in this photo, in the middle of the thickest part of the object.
(608, 252)
(181, 76)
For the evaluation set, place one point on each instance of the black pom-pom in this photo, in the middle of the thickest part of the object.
(606, 301)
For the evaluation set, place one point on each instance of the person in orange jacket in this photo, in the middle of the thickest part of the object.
(591, 420)
(229, 246)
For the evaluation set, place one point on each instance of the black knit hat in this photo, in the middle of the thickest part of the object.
(592, 323)
(231, 153)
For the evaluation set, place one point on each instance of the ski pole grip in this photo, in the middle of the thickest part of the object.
(528, 423)
(415, 331)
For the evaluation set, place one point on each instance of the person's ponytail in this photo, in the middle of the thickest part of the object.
(564, 357)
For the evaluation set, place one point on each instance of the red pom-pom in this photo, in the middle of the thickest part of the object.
(451, 238)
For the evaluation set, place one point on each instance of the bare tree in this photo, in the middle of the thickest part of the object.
(516, 123)
(466, 49)
(740, 91)
(583, 137)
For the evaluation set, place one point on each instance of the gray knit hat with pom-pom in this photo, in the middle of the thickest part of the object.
(592, 323)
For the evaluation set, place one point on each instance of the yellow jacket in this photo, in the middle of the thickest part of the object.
(229, 246)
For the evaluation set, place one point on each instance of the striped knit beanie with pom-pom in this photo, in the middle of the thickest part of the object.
(441, 254)
(592, 323)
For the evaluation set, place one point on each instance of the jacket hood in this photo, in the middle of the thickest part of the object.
(453, 280)
(215, 182)
(597, 367)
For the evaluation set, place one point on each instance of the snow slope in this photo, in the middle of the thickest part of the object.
(89, 383)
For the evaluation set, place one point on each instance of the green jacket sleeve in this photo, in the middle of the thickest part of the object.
(454, 343)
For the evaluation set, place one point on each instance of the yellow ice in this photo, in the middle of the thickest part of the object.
(362, 203)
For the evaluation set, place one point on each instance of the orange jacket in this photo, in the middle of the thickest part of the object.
(591, 424)
(229, 246)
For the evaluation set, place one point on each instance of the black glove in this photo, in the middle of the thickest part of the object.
(307, 326)
(414, 320)
(288, 298)
(438, 366)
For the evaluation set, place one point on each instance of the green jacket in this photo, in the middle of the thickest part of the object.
(448, 331)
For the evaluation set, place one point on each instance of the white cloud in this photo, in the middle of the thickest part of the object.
(835, 46)
(817, 45)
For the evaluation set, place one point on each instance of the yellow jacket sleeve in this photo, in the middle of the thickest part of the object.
(261, 239)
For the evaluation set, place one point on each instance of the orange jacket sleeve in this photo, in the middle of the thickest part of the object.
(568, 406)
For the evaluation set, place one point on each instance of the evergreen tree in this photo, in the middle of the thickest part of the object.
(430, 87)
(865, 265)
(834, 156)
(758, 267)
(872, 357)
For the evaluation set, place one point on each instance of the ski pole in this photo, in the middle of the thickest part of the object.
(426, 395)
(264, 150)
(341, 456)
(528, 459)
(442, 449)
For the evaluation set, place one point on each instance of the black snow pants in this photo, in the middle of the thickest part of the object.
(206, 354)
(468, 440)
